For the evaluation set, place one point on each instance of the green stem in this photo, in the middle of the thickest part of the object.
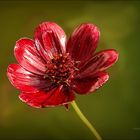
(85, 120)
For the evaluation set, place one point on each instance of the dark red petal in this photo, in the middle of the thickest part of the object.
(50, 39)
(99, 62)
(25, 80)
(66, 106)
(89, 84)
(54, 97)
(28, 57)
(83, 42)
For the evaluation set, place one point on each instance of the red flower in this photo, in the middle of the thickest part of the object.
(51, 69)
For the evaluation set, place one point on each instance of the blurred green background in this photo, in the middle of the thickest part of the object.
(114, 109)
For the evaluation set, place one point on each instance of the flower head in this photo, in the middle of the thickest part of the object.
(52, 68)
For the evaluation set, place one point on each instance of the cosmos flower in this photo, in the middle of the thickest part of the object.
(51, 68)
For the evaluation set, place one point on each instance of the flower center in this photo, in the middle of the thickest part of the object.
(60, 69)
